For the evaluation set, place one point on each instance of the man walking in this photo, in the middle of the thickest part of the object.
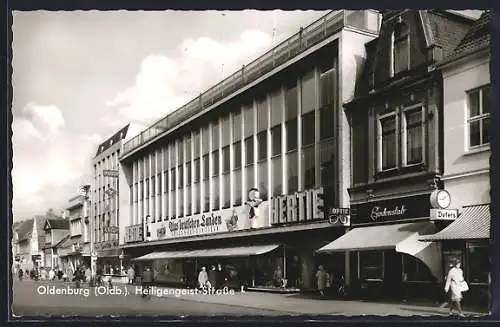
(147, 281)
(131, 275)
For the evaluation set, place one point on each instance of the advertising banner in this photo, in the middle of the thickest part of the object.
(248, 216)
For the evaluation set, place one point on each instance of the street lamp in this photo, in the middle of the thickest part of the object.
(85, 190)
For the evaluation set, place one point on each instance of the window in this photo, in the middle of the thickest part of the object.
(215, 135)
(250, 178)
(236, 126)
(262, 115)
(249, 121)
(237, 187)
(237, 155)
(225, 130)
(206, 167)
(308, 130)
(327, 87)
(188, 148)
(249, 151)
(387, 142)
(291, 102)
(276, 108)
(276, 140)
(413, 136)
(225, 191)
(372, 265)
(188, 173)
(206, 195)
(205, 139)
(359, 148)
(225, 159)
(196, 177)
(216, 193)
(262, 145)
(291, 135)
(415, 270)
(172, 179)
(196, 144)
(293, 172)
(277, 176)
(215, 163)
(308, 93)
(479, 116)
(262, 180)
(308, 167)
(401, 50)
(478, 265)
(196, 198)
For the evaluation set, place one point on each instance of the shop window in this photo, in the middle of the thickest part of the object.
(371, 265)
(413, 136)
(237, 155)
(293, 172)
(478, 120)
(277, 176)
(276, 140)
(387, 141)
(400, 48)
(236, 123)
(262, 146)
(478, 266)
(415, 270)
(249, 151)
(262, 114)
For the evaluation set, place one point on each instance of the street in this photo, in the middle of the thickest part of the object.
(29, 300)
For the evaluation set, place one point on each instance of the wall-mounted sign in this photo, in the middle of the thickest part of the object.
(440, 199)
(339, 216)
(110, 173)
(111, 229)
(106, 245)
(298, 207)
(411, 207)
(444, 214)
(36, 257)
(226, 220)
(134, 233)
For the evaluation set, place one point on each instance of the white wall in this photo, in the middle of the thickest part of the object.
(466, 174)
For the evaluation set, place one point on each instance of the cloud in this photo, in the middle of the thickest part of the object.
(165, 83)
(48, 160)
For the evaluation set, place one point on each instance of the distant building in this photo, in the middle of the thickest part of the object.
(56, 231)
(105, 207)
(28, 242)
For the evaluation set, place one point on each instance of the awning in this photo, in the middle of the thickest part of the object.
(472, 224)
(242, 251)
(403, 238)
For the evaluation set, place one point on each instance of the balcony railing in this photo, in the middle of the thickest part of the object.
(329, 24)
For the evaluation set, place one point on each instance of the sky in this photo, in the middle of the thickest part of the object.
(78, 77)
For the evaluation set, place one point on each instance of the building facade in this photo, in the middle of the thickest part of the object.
(397, 157)
(105, 204)
(29, 240)
(245, 175)
(75, 251)
(56, 232)
(467, 110)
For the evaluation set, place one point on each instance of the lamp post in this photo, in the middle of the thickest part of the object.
(85, 189)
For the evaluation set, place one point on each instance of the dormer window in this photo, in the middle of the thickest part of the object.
(400, 48)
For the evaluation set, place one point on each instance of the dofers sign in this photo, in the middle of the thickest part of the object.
(391, 210)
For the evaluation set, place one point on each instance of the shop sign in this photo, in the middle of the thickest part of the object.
(226, 220)
(36, 257)
(391, 210)
(298, 207)
(444, 214)
(101, 246)
(134, 233)
(111, 229)
(338, 216)
(110, 173)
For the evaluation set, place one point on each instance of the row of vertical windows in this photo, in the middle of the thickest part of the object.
(291, 129)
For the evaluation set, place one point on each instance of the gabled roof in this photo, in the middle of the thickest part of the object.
(56, 224)
(477, 36)
(117, 137)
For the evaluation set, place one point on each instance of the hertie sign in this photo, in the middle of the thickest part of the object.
(411, 207)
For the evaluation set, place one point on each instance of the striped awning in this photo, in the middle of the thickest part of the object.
(472, 224)
(242, 251)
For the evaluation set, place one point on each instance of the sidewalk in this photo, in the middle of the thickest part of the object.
(297, 305)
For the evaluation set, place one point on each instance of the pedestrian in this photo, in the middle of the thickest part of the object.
(203, 278)
(44, 274)
(52, 274)
(88, 275)
(456, 285)
(78, 277)
(131, 275)
(212, 277)
(220, 277)
(59, 274)
(321, 277)
(20, 274)
(147, 281)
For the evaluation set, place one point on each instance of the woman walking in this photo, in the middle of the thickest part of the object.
(203, 278)
(455, 284)
(321, 277)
